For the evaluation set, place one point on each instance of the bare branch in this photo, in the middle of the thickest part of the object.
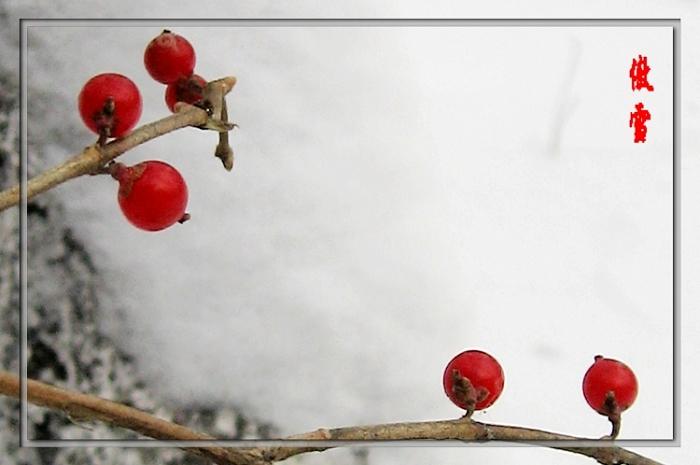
(94, 157)
(92, 407)
(223, 149)
(214, 94)
(459, 429)
(85, 406)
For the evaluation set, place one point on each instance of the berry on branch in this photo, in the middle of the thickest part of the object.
(473, 380)
(110, 105)
(188, 90)
(152, 194)
(610, 388)
(169, 58)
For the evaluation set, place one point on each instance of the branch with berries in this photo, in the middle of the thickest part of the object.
(110, 105)
(89, 407)
(153, 196)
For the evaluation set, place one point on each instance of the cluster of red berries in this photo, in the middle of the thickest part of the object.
(473, 380)
(152, 194)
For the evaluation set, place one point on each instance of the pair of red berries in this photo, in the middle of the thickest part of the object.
(473, 380)
(170, 60)
(152, 195)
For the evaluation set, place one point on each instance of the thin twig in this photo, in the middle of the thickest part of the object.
(223, 151)
(94, 157)
(92, 407)
(460, 429)
(84, 406)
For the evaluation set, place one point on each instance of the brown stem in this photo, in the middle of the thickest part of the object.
(83, 406)
(94, 157)
(86, 406)
(614, 415)
(460, 429)
(223, 150)
(213, 95)
(105, 121)
(464, 392)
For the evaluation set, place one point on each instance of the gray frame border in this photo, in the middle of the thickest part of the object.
(674, 23)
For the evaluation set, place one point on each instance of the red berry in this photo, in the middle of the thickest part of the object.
(152, 194)
(185, 90)
(484, 374)
(94, 104)
(609, 376)
(169, 57)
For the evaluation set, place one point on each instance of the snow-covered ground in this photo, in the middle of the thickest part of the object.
(401, 194)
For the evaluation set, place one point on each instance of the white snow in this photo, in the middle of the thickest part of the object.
(399, 195)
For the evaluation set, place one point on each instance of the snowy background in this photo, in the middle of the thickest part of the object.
(400, 195)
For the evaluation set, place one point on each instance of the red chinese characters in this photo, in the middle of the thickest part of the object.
(638, 120)
(639, 72)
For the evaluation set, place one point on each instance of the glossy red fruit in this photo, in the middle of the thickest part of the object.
(185, 90)
(169, 57)
(609, 376)
(152, 194)
(95, 95)
(483, 372)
